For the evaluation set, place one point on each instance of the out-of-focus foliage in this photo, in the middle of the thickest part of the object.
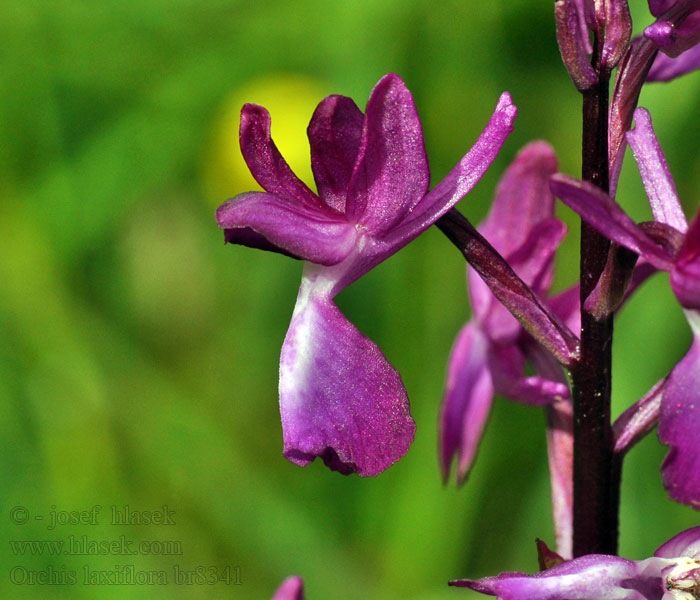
(138, 354)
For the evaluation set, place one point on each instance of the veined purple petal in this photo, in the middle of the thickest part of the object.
(656, 176)
(591, 577)
(574, 45)
(679, 423)
(523, 198)
(461, 179)
(467, 402)
(666, 68)
(334, 135)
(292, 588)
(638, 420)
(600, 211)
(264, 160)
(340, 399)
(686, 543)
(685, 276)
(295, 229)
(391, 174)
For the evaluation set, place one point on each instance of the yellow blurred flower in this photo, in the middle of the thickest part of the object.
(291, 100)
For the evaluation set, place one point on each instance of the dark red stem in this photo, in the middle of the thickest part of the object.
(596, 476)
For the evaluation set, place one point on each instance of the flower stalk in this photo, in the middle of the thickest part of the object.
(596, 480)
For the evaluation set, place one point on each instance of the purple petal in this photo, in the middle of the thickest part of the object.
(391, 174)
(507, 365)
(574, 45)
(334, 134)
(659, 7)
(679, 424)
(245, 236)
(591, 577)
(264, 160)
(655, 173)
(461, 179)
(533, 262)
(567, 306)
(560, 451)
(685, 276)
(292, 588)
(618, 30)
(523, 198)
(609, 292)
(467, 402)
(631, 75)
(339, 397)
(666, 68)
(601, 212)
(686, 543)
(673, 38)
(294, 229)
(638, 420)
(530, 310)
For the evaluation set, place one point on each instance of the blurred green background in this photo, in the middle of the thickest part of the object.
(139, 355)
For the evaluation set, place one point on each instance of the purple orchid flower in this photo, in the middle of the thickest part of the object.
(340, 399)
(669, 244)
(673, 573)
(291, 588)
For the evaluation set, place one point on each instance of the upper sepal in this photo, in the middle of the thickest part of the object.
(335, 132)
(264, 160)
(391, 174)
(340, 399)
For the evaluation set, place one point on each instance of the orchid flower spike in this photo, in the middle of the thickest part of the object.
(340, 399)
(490, 352)
(669, 244)
(673, 573)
